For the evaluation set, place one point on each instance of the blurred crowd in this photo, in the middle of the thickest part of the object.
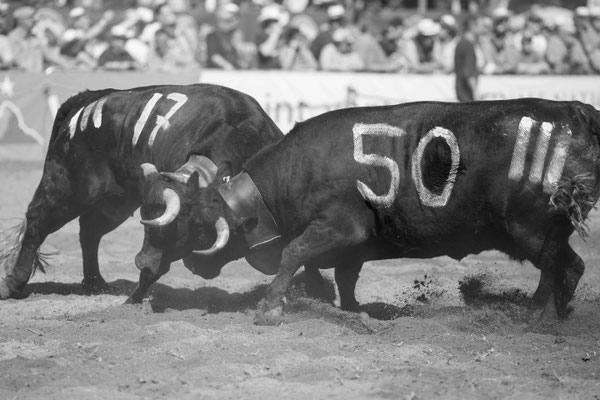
(162, 35)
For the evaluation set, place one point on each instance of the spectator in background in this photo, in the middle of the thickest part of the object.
(267, 40)
(498, 47)
(534, 30)
(587, 23)
(425, 42)
(115, 57)
(372, 54)
(172, 50)
(443, 52)
(29, 51)
(339, 55)
(75, 40)
(7, 58)
(465, 62)
(335, 20)
(396, 44)
(530, 61)
(220, 48)
(295, 53)
(565, 54)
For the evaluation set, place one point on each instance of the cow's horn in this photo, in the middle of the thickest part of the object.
(222, 237)
(173, 205)
(176, 176)
(148, 170)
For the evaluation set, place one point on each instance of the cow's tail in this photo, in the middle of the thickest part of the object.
(575, 196)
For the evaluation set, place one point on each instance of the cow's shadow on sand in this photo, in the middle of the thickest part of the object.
(215, 300)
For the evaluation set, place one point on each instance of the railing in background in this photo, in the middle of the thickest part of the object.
(28, 102)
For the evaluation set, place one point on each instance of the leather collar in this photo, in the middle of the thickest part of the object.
(247, 204)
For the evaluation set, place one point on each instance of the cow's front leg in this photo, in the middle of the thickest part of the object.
(346, 276)
(319, 237)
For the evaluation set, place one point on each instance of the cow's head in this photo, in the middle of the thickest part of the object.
(185, 218)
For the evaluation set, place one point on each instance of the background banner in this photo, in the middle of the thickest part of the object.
(28, 102)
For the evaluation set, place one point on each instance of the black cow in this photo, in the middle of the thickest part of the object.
(98, 141)
(415, 180)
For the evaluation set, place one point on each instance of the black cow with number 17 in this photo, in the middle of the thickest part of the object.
(415, 180)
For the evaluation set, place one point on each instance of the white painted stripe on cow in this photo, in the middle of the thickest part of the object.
(98, 112)
(163, 121)
(141, 122)
(425, 195)
(517, 164)
(359, 130)
(73, 123)
(558, 160)
(541, 150)
(86, 115)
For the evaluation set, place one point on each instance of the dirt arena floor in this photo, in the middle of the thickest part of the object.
(443, 329)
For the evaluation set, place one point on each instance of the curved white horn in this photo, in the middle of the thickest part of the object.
(176, 176)
(222, 237)
(148, 169)
(173, 205)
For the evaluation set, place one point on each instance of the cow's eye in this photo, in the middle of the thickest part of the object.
(226, 179)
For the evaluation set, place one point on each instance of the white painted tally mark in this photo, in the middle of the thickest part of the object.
(425, 195)
(517, 164)
(98, 112)
(359, 130)
(558, 160)
(86, 115)
(541, 150)
(73, 123)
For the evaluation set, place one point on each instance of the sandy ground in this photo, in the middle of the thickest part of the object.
(194, 339)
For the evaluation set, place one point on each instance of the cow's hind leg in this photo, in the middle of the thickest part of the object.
(49, 210)
(93, 225)
(319, 237)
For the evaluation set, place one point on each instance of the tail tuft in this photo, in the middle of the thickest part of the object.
(11, 240)
(575, 198)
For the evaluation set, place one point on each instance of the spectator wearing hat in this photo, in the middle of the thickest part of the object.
(396, 44)
(294, 53)
(220, 48)
(465, 62)
(268, 39)
(75, 40)
(425, 41)
(335, 19)
(115, 57)
(339, 55)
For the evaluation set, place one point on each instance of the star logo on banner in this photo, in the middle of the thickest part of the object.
(7, 87)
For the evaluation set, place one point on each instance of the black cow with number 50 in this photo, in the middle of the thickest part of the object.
(415, 180)
(100, 138)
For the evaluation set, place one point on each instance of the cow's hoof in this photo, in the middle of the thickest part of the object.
(131, 300)
(4, 290)
(95, 286)
(267, 314)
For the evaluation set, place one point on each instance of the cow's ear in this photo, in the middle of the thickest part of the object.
(224, 171)
(193, 181)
